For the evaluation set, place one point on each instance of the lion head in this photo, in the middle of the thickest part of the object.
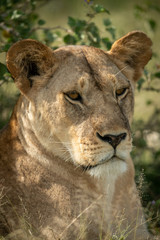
(77, 101)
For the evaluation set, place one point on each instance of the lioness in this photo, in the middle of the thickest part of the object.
(65, 166)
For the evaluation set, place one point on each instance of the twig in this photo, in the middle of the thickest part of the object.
(151, 89)
(4, 27)
(9, 29)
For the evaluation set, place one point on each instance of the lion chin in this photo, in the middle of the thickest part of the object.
(111, 168)
(65, 165)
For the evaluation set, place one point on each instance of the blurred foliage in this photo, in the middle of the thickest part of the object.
(146, 154)
(19, 20)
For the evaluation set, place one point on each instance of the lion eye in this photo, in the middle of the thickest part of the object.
(121, 91)
(73, 95)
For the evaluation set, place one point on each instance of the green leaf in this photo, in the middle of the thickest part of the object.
(158, 202)
(77, 25)
(93, 34)
(93, 29)
(3, 70)
(34, 17)
(49, 36)
(16, 14)
(112, 31)
(149, 102)
(107, 22)
(145, 73)
(71, 22)
(33, 4)
(140, 8)
(69, 39)
(41, 22)
(100, 9)
(157, 74)
(152, 24)
(4, 48)
(140, 83)
(107, 43)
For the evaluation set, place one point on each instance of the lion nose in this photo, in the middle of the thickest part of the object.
(113, 140)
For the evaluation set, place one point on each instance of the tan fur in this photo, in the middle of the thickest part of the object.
(51, 140)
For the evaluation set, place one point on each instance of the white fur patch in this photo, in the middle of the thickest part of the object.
(112, 169)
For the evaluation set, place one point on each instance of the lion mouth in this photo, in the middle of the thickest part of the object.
(89, 167)
(101, 162)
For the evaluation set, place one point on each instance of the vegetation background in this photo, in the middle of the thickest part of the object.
(97, 23)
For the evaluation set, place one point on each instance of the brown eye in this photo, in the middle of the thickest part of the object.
(120, 92)
(73, 95)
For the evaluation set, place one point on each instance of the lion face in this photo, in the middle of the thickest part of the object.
(88, 112)
(80, 104)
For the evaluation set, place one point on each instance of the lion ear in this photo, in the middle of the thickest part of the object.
(132, 51)
(28, 58)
